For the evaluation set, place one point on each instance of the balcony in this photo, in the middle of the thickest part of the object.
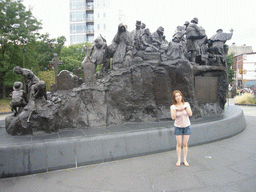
(89, 31)
(91, 19)
(89, 6)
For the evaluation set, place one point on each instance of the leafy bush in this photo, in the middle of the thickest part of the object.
(4, 105)
(246, 98)
(252, 101)
(48, 77)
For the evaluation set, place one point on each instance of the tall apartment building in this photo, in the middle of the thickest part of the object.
(92, 18)
(81, 21)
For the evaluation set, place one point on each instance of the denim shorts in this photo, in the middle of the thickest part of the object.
(182, 131)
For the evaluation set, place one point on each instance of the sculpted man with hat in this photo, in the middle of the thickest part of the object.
(157, 37)
(194, 35)
(136, 35)
(217, 41)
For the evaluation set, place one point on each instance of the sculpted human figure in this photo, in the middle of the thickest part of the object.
(98, 54)
(184, 39)
(217, 41)
(180, 34)
(175, 50)
(136, 33)
(186, 25)
(97, 51)
(143, 26)
(19, 98)
(194, 34)
(146, 42)
(157, 37)
(36, 88)
(121, 47)
(30, 79)
(163, 49)
(39, 92)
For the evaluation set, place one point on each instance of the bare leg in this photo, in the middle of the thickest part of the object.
(28, 120)
(185, 149)
(15, 111)
(178, 148)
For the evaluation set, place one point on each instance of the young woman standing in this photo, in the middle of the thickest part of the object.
(180, 112)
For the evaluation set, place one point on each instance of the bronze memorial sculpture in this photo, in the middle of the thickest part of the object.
(19, 98)
(146, 69)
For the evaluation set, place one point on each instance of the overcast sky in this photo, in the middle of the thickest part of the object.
(225, 14)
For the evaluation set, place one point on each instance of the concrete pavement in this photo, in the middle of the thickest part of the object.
(227, 165)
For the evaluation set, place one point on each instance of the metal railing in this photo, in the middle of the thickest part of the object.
(90, 31)
(90, 19)
(89, 7)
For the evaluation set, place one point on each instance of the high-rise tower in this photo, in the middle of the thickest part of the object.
(81, 21)
(91, 18)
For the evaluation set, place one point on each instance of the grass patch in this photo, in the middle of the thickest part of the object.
(4, 105)
(246, 98)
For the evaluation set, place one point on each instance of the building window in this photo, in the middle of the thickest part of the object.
(74, 39)
(77, 16)
(98, 15)
(98, 26)
(77, 28)
(90, 39)
(104, 26)
(90, 27)
(104, 14)
(77, 5)
(90, 5)
(90, 17)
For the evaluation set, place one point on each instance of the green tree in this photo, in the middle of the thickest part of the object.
(72, 56)
(231, 72)
(16, 26)
(48, 77)
(45, 48)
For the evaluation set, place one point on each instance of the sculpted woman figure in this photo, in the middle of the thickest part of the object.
(180, 112)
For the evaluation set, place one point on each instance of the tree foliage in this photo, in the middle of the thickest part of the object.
(231, 72)
(16, 23)
(44, 48)
(18, 37)
(72, 56)
(48, 77)
(16, 26)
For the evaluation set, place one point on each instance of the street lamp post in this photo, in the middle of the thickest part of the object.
(24, 54)
(24, 50)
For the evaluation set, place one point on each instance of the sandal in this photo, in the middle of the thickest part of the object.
(178, 164)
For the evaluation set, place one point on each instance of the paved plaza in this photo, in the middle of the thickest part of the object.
(226, 165)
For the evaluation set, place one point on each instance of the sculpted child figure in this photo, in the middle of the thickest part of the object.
(19, 98)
